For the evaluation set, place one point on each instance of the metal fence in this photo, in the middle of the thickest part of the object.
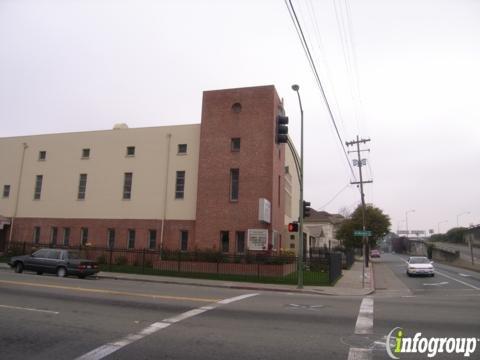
(252, 267)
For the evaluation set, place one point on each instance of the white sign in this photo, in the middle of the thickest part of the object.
(257, 239)
(264, 210)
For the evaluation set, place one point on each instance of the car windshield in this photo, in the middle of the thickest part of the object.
(421, 260)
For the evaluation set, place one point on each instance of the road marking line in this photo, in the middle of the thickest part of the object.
(109, 292)
(107, 349)
(459, 281)
(29, 309)
(360, 354)
(364, 323)
(464, 275)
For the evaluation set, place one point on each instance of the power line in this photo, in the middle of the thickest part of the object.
(299, 30)
(336, 195)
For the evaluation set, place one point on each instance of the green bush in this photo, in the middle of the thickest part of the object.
(121, 260)
(102, 259)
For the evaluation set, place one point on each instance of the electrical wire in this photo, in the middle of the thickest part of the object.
(336, 195)
(304, 43)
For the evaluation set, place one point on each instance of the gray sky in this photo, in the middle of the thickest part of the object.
(407, 77)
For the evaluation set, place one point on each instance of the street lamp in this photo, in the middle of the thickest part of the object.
(406, 217)
(295, 88)
(464, 213)
(440, 222)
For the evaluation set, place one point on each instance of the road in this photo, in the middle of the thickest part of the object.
(44, 317)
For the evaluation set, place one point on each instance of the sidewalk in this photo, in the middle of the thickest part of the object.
(350, 284)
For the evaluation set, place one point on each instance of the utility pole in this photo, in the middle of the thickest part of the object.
(361, 162)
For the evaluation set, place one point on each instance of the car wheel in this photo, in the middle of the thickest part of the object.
(432, 275)
(82, 276)
(61, 272)
(18, 267)
(39, 272)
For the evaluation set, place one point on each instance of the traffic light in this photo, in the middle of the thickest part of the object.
(293, 227)
(306, 209)
(282, 129)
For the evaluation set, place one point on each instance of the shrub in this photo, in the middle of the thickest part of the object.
(121, 260)
(102, 259)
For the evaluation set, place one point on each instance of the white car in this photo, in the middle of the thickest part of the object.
(420, 265)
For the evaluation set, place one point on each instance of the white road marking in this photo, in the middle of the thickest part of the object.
(464, 275)
(437, 284)
(459, 281)
(364, 323)
(360, 354)
(107, 349)
(29, 309)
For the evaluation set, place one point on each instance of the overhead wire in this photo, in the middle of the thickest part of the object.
(335, 196)
(305, 46)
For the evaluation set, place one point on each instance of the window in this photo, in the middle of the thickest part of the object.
(127, 186)
(66, 236)
(292, 246)
(183, 240)
(42, 155)
(83, 236)
(224, 241)
(36, 234)
(182, 149)
(152, 239)
(180, 185)
(130, 150)
(237, 107)
(53, 254)
(235, 144)
(42, 253)
(111, 238)
(240, 235)
(234, 178)
(131, 239)
(82, 186)
(38, 187)
(85, 153)
(53, 236)
(6, 191)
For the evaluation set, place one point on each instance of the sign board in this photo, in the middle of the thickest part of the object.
(362, 233)
(403, 232)
(257, 239)
(418, 232)
(264, 210)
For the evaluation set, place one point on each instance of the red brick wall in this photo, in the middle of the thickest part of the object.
(257, 160)
(97, 231)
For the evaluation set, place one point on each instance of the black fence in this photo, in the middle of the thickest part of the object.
(253, 267)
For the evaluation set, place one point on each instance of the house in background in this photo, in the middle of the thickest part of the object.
(322, 227)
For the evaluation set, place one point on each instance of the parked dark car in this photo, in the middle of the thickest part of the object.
(54, 261)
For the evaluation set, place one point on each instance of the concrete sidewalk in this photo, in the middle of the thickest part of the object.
(350, 284)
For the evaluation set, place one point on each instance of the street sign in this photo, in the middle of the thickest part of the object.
(362, 233)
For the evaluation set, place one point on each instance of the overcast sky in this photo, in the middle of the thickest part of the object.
(405, 74)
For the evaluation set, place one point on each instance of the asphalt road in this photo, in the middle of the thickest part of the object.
(44, 317)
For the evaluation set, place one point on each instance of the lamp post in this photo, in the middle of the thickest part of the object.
(300, 214)
(406, 218)
(463, 213)
(438, 225)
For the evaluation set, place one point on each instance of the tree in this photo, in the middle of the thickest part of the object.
(375, 221)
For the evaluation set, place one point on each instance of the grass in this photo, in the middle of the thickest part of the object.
(314, 278)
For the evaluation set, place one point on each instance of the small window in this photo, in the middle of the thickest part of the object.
(224, 241)
(53, 254)
(42, 155)
(240, 242)
(287, 170)
(184, 240)
(234, 184)
(38, 187)
(292, 246)
(127, 186)
(83, 236)
(237, 107)
(85, 153)
(6, 191)
(235, 144)
(131, 239)
(82, 187)
(111, 238)
(182, 149)
(130, 150)
(36, 234)
(41, 254)
(152, 239)
(66, 236)
(292, 237)
(53, 236)
(180, 185)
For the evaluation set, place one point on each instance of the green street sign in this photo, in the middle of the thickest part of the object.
(362, 233)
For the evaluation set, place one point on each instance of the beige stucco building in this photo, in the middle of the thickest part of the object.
(140, 187)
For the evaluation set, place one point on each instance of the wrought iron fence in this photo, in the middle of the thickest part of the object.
(252, 267)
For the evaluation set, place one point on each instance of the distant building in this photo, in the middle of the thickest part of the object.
(322, 228)
(224, 184)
